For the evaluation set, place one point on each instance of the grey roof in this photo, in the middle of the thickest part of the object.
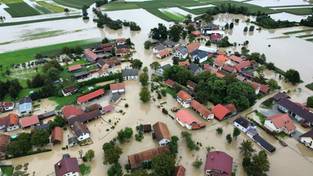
(267, 146)
(296, 109)
(182, 49)
(85, 117)
(308, 134)
(81, 74)
(194, 67)
(25, 100)
(115, 97)
(211, 26)
(199, 54)
(130, 72)
(80, 129)
(159, 47)
(46, 115)
(280, 96)
(169, 43)
(243, 122)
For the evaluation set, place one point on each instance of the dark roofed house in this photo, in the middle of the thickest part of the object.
(307, 139)
(300, 113)
(93, 107)
(84, 117)
(138, 159)
(218, 163)
(199, 56)
(279, 96)
(46, 115)
(115, 98)
(130, 74)
(67, 91)
(81, 131)
(263, 143)
(81, 75)
(67, 166)
(191, 85)
(195, 68)
(4, 141)
(161, 133)
(244, 125)
(181, 52)
(57, 135)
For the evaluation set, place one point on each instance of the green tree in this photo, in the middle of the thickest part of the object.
(39, 137)
(246, 148)
(112, 153)
(20, 146)
(236, 133)
(89, 155)
(229, 139)
(163, 164)
(219, 131)
(258, 165)
(175, 32)
(159, 33)
(309, 102)
(273, 84)
(115, 170)
(173, 145)
(147, 44)
(197, 163)
(144, 78)
(139, 173)
(292, 76)
(155, 65)
(136, 63)
(124, 135)
(145, 95)
(191, 145)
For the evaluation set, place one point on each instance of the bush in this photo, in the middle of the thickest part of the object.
(197, 163)
(309, 102)
(219, 131)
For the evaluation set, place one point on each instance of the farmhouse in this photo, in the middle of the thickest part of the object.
(202, 110)
(117, 88)
(25, 106)
(57, 135)
(67, 166)
(29, 121)
(81, 131)
(70, 111)
(9, 122)
(296, 111)
(218, 163)
(188, 120)
(280, 123)
(137, 160)
(91, 96)
(184, 98)
(161, 133)
(84, 117)
(307, 139)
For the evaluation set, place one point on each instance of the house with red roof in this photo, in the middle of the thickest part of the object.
(169, 83)
(57, 135)
(216, 37)
(184, 98)
(30, 121)
(223, 111)
(243, 65)
(180, 170)
(203, 111)
(90, 55)
(235, 59)
(117, 88)
(67, 166)
(90, 96)
(191, 47)
(74, 68)
(280, 123)
(219, 61)
(186, 119)
(218, 163)
(9, 122)
(164, 53)
(259, 88)
(70, 111)
(6, 106)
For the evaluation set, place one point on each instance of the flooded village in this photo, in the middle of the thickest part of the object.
(156, 88)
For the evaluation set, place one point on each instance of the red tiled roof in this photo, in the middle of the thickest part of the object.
(220, 163)
(193, 47)
(10, 119)
(186, 117)
(220, 60)
(180, 171)
(90, 96)
(200, 108)
(263, 88)
(219, 74)
(220, 111)
(228, 68)
(117, 86)
(242, 65)
(169, 82)
(71, 110)
(184, 63)
(196, 33)
(231, 107)
(183, 95)
(29, 121)
(90, 54)
(235, 58)
(57, 134)
(165, 52)
(282, 121)
(108, 108)
(74, 67)
(122, 51)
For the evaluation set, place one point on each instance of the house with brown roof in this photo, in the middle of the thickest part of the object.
(138, 159)
(191, 85)
(57, 135)
(9, 122)
(218, 163)
(223, 111)
(85, 117)
(81, 131)
(184, 98)
(203, 111)
(280, 123)
(70, 111)
(74, 68)
(117, 88)
(161, 133)
(30, 121)
(164, 53)
(67, 166)
(90, 55)
(180, 171)
(4, 141)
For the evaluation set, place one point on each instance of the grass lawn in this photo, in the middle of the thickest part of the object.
(51, 7)
(170, 91)
(262, 117)
(21, 56)
(7, 170)
(78, 4)
(298, 31)
(20, 9)
(62, 101)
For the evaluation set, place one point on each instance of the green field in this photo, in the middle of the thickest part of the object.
(174, 16)
(50, 7)
(298, 11)
(20, 56)
(78, 4)
(20, 9)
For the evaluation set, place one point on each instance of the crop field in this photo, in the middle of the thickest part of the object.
(50, 7)
(78, 4)
(298, 11)
(18, 8)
